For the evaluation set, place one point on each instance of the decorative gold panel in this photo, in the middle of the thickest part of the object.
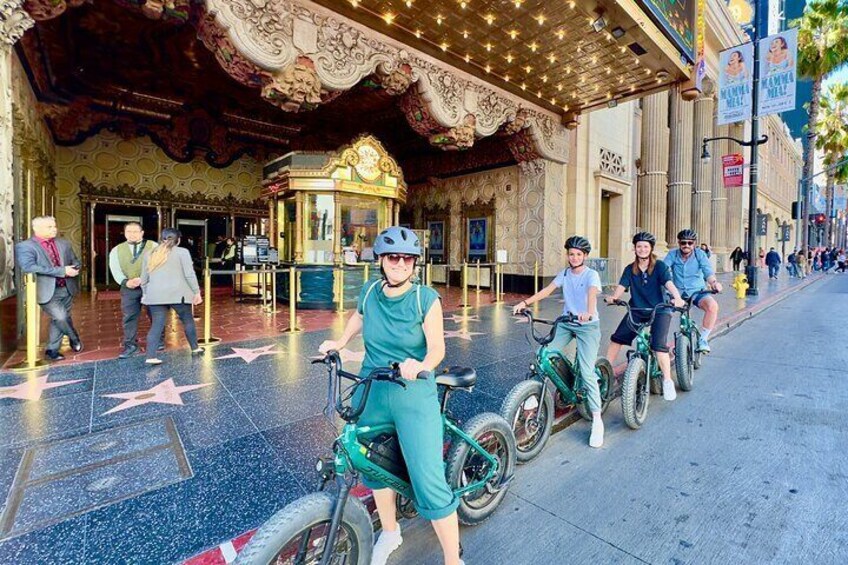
(543, 50)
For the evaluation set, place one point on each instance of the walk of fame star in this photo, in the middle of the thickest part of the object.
(32, 389)
(458, 318)
(462, 334)
(249, 355)
(165, 392)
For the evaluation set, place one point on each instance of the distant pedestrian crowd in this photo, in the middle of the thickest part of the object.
(799, 263)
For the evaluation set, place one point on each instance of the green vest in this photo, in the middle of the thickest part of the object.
(130, 267)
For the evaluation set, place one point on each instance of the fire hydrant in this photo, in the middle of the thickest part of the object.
(740, 283)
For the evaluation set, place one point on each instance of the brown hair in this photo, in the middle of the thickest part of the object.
(652, 261)
(170, 238)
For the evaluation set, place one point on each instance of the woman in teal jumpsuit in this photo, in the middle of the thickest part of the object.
(402, 322)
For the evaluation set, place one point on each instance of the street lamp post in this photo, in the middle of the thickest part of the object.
(751, 269)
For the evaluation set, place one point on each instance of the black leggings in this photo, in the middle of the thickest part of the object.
(159, 313)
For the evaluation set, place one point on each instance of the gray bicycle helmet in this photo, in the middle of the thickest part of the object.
(687, 234)
(578, 242)
(645, 236)
(397, 240)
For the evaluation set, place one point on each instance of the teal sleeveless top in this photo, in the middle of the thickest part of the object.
(392, 328)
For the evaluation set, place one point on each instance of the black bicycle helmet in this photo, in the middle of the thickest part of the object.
(578, 242)
(645, 236)
(687, 234)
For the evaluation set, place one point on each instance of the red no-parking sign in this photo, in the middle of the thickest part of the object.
(732, 166)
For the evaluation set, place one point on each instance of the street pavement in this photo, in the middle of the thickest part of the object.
(749, 467)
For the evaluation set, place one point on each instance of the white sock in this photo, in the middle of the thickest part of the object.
(705, 333)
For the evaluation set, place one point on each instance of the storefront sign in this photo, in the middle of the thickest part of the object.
(676, 20)
(784, 232)
(762, 224)
(732, 167)
(778, 54)
(735, 83)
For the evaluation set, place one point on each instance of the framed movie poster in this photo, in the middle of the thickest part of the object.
(437, 237)
(478, 237)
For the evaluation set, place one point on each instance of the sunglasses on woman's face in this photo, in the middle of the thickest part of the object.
(395, 258)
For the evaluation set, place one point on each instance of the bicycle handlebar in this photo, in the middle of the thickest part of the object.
(653, 311)
(333, 361)
(567, 318)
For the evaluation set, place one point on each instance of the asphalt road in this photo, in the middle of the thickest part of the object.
(749, 467)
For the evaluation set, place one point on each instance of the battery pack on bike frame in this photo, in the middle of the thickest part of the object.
(384, 450)
(563, 370)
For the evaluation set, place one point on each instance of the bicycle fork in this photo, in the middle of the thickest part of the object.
(335, 522)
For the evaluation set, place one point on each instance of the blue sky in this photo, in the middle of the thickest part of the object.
(841, 76)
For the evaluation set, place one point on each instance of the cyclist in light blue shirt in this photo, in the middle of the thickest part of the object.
(693, 274)
(580, 288)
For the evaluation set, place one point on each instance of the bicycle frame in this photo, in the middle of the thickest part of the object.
(544, 367)
(350, 456)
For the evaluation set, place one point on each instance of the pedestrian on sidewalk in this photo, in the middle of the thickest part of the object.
(125, 260)
(762, 256)
(773, 262)
(840, 260)
(168, 282)
(55, 265)
(737, 257)
(646, 278)
(801, 259)
(706, 249)
(792, 263)
(825, 259)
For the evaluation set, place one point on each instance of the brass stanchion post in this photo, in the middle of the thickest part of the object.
(535, 277)
(207, 340)
(497, 283)
(365, 273)
(478, 278)
(429, 273)
(340, 308)
(292, 301)
(274, 290)
(263, 289)
(465, 303)
(32, 361)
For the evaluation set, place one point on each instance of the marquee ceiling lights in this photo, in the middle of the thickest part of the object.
(561, 43)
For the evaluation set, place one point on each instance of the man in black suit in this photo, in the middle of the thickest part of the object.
(56, 267)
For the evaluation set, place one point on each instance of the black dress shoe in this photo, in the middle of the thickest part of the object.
(76, 345)
(128, 351)
(54, 355)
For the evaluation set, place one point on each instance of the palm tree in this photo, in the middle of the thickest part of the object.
(832, 139)
(822, 49)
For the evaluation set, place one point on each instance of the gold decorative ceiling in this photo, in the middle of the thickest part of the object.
(546, 51)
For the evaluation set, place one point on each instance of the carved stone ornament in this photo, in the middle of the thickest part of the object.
(395, 81)
(296, 88)
(456, 138)
(14, 21)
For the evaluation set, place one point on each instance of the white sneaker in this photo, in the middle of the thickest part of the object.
(668, 390)
(386, 544)
(596, 438)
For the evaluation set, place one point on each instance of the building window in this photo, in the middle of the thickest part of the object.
(612, 163)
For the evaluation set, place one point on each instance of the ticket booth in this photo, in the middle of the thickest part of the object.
(328, 209)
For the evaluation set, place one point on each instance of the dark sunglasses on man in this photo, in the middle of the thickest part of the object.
(685, 243)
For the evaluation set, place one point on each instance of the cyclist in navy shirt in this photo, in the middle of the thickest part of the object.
(645, 278)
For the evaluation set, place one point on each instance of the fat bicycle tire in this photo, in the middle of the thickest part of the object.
(511, 410)
(682, 363)
(607, 377)
(635, 378)
(285, 528)
(697, 356)
(474, 508)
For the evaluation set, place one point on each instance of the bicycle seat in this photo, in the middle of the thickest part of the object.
(457, 377)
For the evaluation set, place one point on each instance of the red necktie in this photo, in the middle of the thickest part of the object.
(54, 256)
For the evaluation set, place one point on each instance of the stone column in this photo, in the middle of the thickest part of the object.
(718, 225)
(703, 177)
(680, 165)
(651, 197)
(734, 233)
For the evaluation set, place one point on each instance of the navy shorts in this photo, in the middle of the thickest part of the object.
(699, 296)
(624, 334)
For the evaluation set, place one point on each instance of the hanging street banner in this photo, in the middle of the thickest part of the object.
(732, 166)
(817, 199)
(700, 45)
(778, 74)
(840, 197)
(735, 84)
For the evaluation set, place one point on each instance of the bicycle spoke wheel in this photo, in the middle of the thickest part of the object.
(530, 416)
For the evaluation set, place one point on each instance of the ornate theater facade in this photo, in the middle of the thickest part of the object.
(523, 119)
